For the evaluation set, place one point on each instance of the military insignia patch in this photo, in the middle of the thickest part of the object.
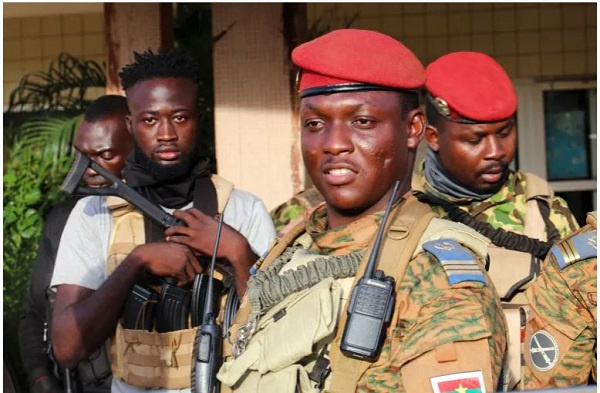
(471, 382)
(442, 106)
(543, 350)
(458, 262)
(577, 248)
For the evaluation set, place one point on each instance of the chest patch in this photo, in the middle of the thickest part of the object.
(471, 382)
(543, 350)
(458, 262)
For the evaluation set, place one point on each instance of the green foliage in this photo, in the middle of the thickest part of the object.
(41, 157)
(62, 87)
(44, 112)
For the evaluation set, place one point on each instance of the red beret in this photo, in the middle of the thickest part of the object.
(471, 85)
(352, 59)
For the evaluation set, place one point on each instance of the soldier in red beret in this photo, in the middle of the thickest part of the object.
(313, 317)
(472, 139)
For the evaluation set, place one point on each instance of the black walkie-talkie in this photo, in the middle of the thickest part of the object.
(208, 342)
(371, 304)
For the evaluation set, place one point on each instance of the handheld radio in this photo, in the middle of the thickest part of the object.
(208, 342)
(371, 304)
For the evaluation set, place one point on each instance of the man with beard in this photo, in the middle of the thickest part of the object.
(108, 246)
(472, 139)
(360, 127)
(103, 136)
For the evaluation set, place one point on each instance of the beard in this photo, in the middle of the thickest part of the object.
(167, 173)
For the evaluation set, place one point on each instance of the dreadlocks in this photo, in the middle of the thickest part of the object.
(147, 65)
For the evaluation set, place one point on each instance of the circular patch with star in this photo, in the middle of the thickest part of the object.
(543, 350)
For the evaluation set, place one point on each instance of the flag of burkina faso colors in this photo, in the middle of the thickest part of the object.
(462, 385)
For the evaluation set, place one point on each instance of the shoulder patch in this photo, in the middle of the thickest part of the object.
(543, 350)
(577, 248)
(458, 262)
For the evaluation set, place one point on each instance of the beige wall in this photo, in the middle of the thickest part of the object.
(255, 134)
(530, 40)
(257, 137)
(31, 43)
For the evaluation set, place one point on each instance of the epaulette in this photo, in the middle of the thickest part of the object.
(458, 262)
(577, 248)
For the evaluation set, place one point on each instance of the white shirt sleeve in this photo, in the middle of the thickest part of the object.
(248, 215)
(83, 248)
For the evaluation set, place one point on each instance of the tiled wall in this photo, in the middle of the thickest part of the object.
(531, 40)
(31, 43)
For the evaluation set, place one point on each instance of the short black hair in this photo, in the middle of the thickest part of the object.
(110, 105)
(410, 101)
(148, 65)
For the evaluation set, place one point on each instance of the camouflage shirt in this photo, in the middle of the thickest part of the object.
(434, 313)
(295, 208)
(506, 208)
(564, 323)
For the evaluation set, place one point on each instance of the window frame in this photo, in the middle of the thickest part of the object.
(531, 132)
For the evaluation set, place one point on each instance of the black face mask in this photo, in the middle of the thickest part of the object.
(171, 186)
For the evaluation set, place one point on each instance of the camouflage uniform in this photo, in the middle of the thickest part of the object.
(506, 208)
(295, 208)
(561, 332)
(435, 317)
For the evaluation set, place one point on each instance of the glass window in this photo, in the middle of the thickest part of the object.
(569, 118)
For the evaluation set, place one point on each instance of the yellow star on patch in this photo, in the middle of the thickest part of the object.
(461, 389)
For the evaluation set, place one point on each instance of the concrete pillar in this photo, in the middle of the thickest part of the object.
(134, 27)
(256, 131)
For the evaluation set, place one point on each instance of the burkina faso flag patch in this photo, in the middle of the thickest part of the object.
(471, 382)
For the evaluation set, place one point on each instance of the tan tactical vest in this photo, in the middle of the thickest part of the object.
(410, 225)
(141, 358)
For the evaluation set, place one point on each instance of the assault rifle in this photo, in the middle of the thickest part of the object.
(172, 305)
(205, 292)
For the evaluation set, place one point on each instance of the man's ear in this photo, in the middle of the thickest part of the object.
(432, 135)
(416, 129)
(128, 122)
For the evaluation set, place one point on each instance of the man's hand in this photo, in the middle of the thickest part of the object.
(168, 259)
(201, 232)
(200, 235)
